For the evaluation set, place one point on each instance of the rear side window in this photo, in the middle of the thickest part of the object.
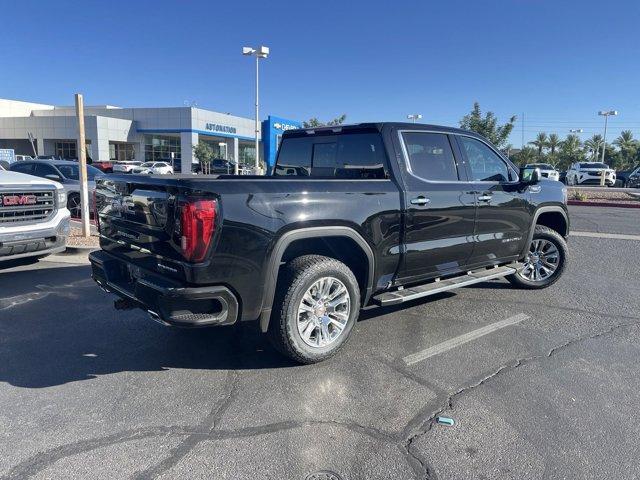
(351, 155)
(430, 156)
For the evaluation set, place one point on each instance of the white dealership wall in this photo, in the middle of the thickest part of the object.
(105, 123)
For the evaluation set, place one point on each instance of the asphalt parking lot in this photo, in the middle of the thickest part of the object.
(540, 384)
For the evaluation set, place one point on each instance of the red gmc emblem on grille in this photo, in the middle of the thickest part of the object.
(11, 200)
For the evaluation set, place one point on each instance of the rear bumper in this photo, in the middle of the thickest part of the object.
(167, 301)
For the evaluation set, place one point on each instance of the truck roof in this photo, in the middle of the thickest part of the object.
(375, 126)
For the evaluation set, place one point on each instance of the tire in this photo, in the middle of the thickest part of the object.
(314, 335)
(73, 204)
(543, 236)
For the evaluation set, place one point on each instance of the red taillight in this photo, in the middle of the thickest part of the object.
(198, 222)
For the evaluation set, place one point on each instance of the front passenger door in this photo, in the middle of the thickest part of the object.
(503, 218)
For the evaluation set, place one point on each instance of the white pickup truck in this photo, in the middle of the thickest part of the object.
(34, 220)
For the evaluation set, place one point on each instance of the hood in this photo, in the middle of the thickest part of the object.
(9, 179)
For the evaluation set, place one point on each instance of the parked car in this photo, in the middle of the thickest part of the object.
(34, 221)
(546, 170)
(66, 172)
(622, 177)
(418, 210)
(590, 173)
(562, 176)
(103, 166)
(161, 168)
(634, 179)
(125, 166)
(21, 158)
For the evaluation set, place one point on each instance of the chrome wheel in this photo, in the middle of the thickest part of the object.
(541, 262)
(323, 312)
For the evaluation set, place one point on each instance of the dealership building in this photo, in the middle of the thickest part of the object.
(143, 134)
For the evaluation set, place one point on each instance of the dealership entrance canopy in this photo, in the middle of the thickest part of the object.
(144, 134)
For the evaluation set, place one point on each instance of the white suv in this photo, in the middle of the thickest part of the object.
(590, 173)
(34, 220)
(546, 170)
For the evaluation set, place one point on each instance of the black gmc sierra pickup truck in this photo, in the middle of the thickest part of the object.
(352, 215)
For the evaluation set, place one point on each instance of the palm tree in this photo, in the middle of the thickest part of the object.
(540, 142)
(628, 147)
(570, 150)
(553, 142)
(593, 145)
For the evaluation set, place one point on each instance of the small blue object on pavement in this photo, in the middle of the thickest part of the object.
(445, 421)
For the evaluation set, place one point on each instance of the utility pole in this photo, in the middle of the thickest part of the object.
(260, 52)
(522, 129)
(605, 114)
(84, 194)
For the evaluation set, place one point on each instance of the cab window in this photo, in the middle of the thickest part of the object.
(430, 156)
(485, 164)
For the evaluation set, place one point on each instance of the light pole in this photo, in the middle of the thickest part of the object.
(414, 116)
(605, 114)
(261, 52)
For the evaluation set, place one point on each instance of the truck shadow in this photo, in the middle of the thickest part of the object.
(57, 326)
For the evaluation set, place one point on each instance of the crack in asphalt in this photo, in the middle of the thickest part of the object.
(208, 424)
(425, 424)
(418, 426)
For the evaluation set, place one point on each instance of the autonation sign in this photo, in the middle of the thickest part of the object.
(214, 127)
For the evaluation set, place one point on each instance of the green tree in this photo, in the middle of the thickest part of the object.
(314, 122)
(540, 143)
(525, 156)
(570, 151)
(593, 146)
(204, 153)
(629, 148)
(553, 142)
(487, 125)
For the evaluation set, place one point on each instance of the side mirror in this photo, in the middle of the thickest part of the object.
(53, 176)
(530, 176)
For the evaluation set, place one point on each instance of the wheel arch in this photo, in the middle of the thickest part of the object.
(552, 216)
(305, 241)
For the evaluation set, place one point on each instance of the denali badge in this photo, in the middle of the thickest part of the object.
(12, 200)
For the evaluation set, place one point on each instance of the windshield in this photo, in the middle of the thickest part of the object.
(593, 165)
(73, 171)
(147, 164)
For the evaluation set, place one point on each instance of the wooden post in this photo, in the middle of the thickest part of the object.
(84, 194)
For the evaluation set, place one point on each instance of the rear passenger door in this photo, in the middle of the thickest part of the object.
(503, 216)
(439, 207)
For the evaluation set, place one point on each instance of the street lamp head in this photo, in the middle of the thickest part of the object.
(248, 51)
(414, 116)
(263, 52)
(606, 113)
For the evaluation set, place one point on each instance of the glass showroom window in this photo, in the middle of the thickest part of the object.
(247, 153)
(66, 149)
(121, 151)
(158, 148)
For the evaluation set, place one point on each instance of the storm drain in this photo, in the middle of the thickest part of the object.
(323, 475)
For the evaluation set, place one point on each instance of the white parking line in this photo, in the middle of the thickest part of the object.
(462, 339)
(617, 236)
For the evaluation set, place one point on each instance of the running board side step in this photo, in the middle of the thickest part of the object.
(433, 287)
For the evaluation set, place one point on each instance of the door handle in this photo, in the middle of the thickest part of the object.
(420, 200)
(486, 197)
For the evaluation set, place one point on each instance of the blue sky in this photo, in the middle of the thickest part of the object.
(559, 62)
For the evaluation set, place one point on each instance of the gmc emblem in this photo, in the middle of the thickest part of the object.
(12, 200)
